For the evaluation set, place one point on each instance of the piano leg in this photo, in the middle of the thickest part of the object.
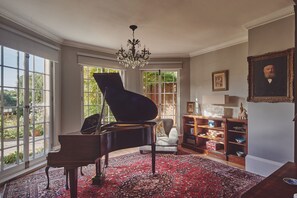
(73, 182)
(66, 172)
(46, 172)
(106, 160)
(81, 172)
(153, 157)
(98, 179)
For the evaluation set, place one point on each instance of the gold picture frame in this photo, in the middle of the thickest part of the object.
(270, 77)
(220, 80)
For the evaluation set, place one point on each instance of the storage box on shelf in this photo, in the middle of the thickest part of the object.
(237, 137)
(225, 138)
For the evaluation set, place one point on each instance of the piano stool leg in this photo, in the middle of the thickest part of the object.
(46, 172)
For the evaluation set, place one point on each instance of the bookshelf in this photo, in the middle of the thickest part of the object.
(224, 138)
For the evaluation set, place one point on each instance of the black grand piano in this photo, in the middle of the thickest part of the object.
(132, 128)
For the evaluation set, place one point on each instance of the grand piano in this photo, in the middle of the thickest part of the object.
(133, 127)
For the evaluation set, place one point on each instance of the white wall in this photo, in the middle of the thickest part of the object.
(232, 59)
(271, 130)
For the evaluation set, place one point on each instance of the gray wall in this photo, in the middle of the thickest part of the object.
(271, 130)
(232, 59)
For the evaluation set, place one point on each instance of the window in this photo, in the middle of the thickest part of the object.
(25, 120)
(161, 87)
(92, 96)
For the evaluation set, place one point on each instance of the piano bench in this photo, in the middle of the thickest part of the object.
(159, 149)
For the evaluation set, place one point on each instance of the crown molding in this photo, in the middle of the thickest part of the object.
(230, 43)
(170, 55)
(30, 26)
(17, 32)
(277, 15)
(88, 47)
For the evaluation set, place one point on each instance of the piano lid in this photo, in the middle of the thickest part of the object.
(126, 106)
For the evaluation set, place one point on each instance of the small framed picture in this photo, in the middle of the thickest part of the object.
(270, 77)
(190, 107)
(220, 80)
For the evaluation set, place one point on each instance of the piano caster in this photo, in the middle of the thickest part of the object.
(98, 179)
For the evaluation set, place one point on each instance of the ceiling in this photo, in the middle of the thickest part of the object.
(167, 27)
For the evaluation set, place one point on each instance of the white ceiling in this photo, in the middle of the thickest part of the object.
(166, 27)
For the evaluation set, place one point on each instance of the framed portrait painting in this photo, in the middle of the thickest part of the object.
(270, 77)
(220, 80)
(190, 107)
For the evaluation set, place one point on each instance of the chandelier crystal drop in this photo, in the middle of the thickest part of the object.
(132, 57)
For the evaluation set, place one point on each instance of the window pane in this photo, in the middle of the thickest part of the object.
(46, 98)
(10, 117)
(22, 60)
(39, 148)
(38, 97)
(38, 81)
(39, 64)
(10, 57)
(0, 60)
(47, 114)
(10, 77)
(38, 114)
(31, 64)
(10, 97)
(10, 134)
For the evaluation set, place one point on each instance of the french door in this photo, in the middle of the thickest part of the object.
(26, 108)
(161, 87)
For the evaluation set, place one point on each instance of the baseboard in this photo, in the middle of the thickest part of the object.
(261, 166)
(21, 173)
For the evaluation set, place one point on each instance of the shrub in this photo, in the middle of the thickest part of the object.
(11, 158)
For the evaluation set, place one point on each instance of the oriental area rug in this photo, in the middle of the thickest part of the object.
(130, 176)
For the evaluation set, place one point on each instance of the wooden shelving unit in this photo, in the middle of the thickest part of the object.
(237, 130)
(219, 137)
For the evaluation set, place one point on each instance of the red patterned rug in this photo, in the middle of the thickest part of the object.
(130, 176)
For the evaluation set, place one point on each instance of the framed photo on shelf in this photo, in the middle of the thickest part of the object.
(220, 80)
(270, 77)
(190, 107)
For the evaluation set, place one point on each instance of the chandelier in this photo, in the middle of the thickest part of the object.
(132, 57)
